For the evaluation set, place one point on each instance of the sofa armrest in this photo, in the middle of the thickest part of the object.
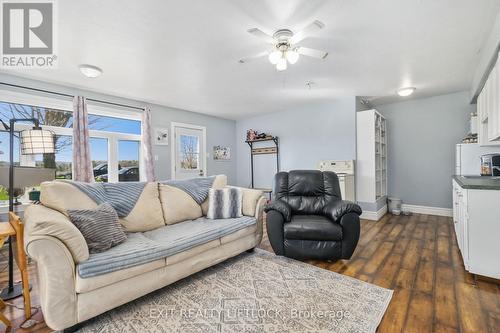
(336, 209)
(282, 207)
(42, 221)
(56, 278)
(259, 216)
(275, 231)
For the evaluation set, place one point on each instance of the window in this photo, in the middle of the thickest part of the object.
(115, 142)
(128, 160)
(189, 152)
(99, 154)
(115, 125)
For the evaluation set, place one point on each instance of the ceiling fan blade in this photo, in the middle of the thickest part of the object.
(253, 57)
(311, 29)
(312, 52)
(262, 35)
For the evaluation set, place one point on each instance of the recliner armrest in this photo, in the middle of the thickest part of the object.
(281, 207)
(336, 209)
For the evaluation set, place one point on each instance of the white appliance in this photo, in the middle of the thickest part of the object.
(468, 158)
(345, 172)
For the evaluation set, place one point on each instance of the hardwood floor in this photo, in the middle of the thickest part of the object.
(416, 256)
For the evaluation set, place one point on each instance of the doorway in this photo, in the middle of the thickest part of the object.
(188, 151)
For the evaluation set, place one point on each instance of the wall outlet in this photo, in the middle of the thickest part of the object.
(156, 157)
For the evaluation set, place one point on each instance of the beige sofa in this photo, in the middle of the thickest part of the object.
(161, 212)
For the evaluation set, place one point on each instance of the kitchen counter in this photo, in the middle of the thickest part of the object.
(478, 182)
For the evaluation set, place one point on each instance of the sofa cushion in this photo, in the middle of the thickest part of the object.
(312, 227)
(224, 203)
(99, 227)
(136, 250)
(186, 235)
(83, 285)
(177, 205)
(145, 215)
(250, 199)
(140, 248)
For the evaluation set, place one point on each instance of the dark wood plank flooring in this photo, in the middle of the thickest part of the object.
(416, 256)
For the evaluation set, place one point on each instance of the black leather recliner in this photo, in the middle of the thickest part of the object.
(308, 219)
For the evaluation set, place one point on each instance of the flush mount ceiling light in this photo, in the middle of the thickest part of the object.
(90, 71)
(285, 49)
(407, 91)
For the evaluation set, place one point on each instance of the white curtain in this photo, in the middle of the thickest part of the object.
(147, 145)
(82, 162)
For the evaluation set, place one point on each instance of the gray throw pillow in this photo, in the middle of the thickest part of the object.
(100, 227)
(224, 203)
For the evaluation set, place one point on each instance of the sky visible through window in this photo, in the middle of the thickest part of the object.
(99, 148)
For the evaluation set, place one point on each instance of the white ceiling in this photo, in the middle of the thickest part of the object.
(185, 53)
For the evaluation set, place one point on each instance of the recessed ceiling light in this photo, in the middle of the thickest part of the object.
(90, 71)
(407, 91)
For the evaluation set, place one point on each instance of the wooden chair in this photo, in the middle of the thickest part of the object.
(22, 263)
(15, 230)
(4, 319)
(6, 230)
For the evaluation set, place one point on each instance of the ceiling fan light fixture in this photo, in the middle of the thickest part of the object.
(281, 65)
(406, 91)
(274, 57)
(292, 56)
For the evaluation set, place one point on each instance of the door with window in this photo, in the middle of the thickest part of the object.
(189, 153)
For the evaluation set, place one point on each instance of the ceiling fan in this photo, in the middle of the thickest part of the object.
(285, 49)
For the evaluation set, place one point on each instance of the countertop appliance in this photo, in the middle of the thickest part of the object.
(345, 172)
(468, 158)
(490, 165)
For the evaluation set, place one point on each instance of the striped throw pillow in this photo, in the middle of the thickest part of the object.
(100, 227)
(224, 203)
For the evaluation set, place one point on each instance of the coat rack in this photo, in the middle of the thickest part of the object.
(264, 151)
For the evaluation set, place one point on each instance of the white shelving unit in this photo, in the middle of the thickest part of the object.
(371, 184)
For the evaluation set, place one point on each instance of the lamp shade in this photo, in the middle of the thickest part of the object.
(36, 141)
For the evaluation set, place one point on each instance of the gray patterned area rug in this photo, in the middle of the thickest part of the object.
(253, 292)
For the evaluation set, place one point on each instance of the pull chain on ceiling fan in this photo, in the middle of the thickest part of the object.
(285, 49)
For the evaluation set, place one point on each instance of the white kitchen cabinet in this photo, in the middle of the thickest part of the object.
(488, 109)
(476, 220)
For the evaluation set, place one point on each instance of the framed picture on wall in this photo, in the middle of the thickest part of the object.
(161, 136)
(222, 153)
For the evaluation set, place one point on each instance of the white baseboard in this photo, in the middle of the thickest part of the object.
(439, 211)
(374, 216)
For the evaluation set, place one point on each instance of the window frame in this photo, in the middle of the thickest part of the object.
(14, 97)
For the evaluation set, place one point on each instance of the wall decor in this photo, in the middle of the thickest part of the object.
(161, 136)
(222, 153)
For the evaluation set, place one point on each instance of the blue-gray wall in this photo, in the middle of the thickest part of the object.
(319, 131)
(219, 131)
(421, 137)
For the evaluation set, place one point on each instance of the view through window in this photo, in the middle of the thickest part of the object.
(108, 134)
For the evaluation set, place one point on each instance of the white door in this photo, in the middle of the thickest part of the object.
(189, 153)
